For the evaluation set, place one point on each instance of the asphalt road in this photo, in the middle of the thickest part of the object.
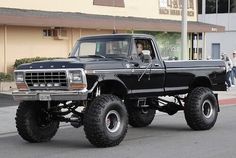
(7, 100)
(167, 137)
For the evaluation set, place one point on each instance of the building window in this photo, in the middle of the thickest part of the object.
(47, 32)
(199, 53)
(232, 6)
(57, 33)
(199, 6)
(210, 6)
(200, 36)
(110, 3)
(223, 6)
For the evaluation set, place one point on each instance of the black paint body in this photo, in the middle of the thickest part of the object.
(159, 77)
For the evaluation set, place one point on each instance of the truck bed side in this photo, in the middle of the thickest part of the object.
(185, 75)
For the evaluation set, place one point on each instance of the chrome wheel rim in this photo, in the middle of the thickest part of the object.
(207, 109)
(112, 121)
(144, 110)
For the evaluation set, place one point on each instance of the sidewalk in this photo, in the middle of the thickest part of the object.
(7, 120)
(227, 97)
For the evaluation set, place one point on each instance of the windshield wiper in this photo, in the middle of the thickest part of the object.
(93, 56)
(72, 57)
(107, 57)
(119, 58)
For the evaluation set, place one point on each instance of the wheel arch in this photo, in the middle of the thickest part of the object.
(201, 81)
(112, 86)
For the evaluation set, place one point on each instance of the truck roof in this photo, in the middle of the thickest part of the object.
(123, 35)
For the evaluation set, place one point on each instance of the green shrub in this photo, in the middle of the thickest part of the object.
(30, 60)
(6, 77)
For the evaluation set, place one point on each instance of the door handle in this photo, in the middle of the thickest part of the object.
(156, 65)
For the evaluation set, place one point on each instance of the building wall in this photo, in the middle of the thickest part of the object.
(227, 20)
(27, 42)
(23, 42)
(225, 39)
(227, 42)
(1, 49)
(134, 8)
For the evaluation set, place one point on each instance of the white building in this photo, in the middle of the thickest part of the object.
(219, 12)
(49, 28)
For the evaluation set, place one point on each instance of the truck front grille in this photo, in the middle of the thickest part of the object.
(46, 80)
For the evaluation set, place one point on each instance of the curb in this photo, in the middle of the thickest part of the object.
(230, 101)
(6, 93)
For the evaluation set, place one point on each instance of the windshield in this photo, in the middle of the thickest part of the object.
(118, 47)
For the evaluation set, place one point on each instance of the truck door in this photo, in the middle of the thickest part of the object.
(149, 76)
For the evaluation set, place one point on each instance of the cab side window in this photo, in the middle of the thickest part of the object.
(145, 45)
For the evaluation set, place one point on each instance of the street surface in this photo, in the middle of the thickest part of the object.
(7, 100)
(168, 136)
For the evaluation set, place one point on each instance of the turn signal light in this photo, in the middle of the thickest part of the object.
(21, 86)
(77, 86)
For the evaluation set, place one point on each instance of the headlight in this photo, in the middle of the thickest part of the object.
(20, 84)
(76, 76)
(77, 80)
(19, 77)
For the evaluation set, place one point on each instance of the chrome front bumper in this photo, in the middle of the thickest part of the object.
(50, 95)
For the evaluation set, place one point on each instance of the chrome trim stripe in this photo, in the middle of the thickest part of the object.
(156, 90)
(176, 88)
(194, 68)
(122, 71)
(153, 69)
(33, 70)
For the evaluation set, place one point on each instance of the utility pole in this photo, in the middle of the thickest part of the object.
(5, 49)
(184, 33)
(114, 20)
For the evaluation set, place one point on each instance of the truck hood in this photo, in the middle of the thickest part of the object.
(85, 63)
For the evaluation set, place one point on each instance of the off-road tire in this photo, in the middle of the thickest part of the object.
(28, 126)
(139, 117)
(201, 109)
(95, 119)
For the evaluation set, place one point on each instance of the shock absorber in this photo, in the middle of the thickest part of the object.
(60, 111)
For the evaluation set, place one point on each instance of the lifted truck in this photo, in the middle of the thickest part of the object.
(115, 87)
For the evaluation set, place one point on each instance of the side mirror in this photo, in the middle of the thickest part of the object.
(146, 56)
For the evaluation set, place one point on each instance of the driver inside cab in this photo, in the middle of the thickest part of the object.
(140, 54)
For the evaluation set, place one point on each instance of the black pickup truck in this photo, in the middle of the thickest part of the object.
(108, 83)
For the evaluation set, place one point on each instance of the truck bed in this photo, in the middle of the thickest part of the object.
(181, 74)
